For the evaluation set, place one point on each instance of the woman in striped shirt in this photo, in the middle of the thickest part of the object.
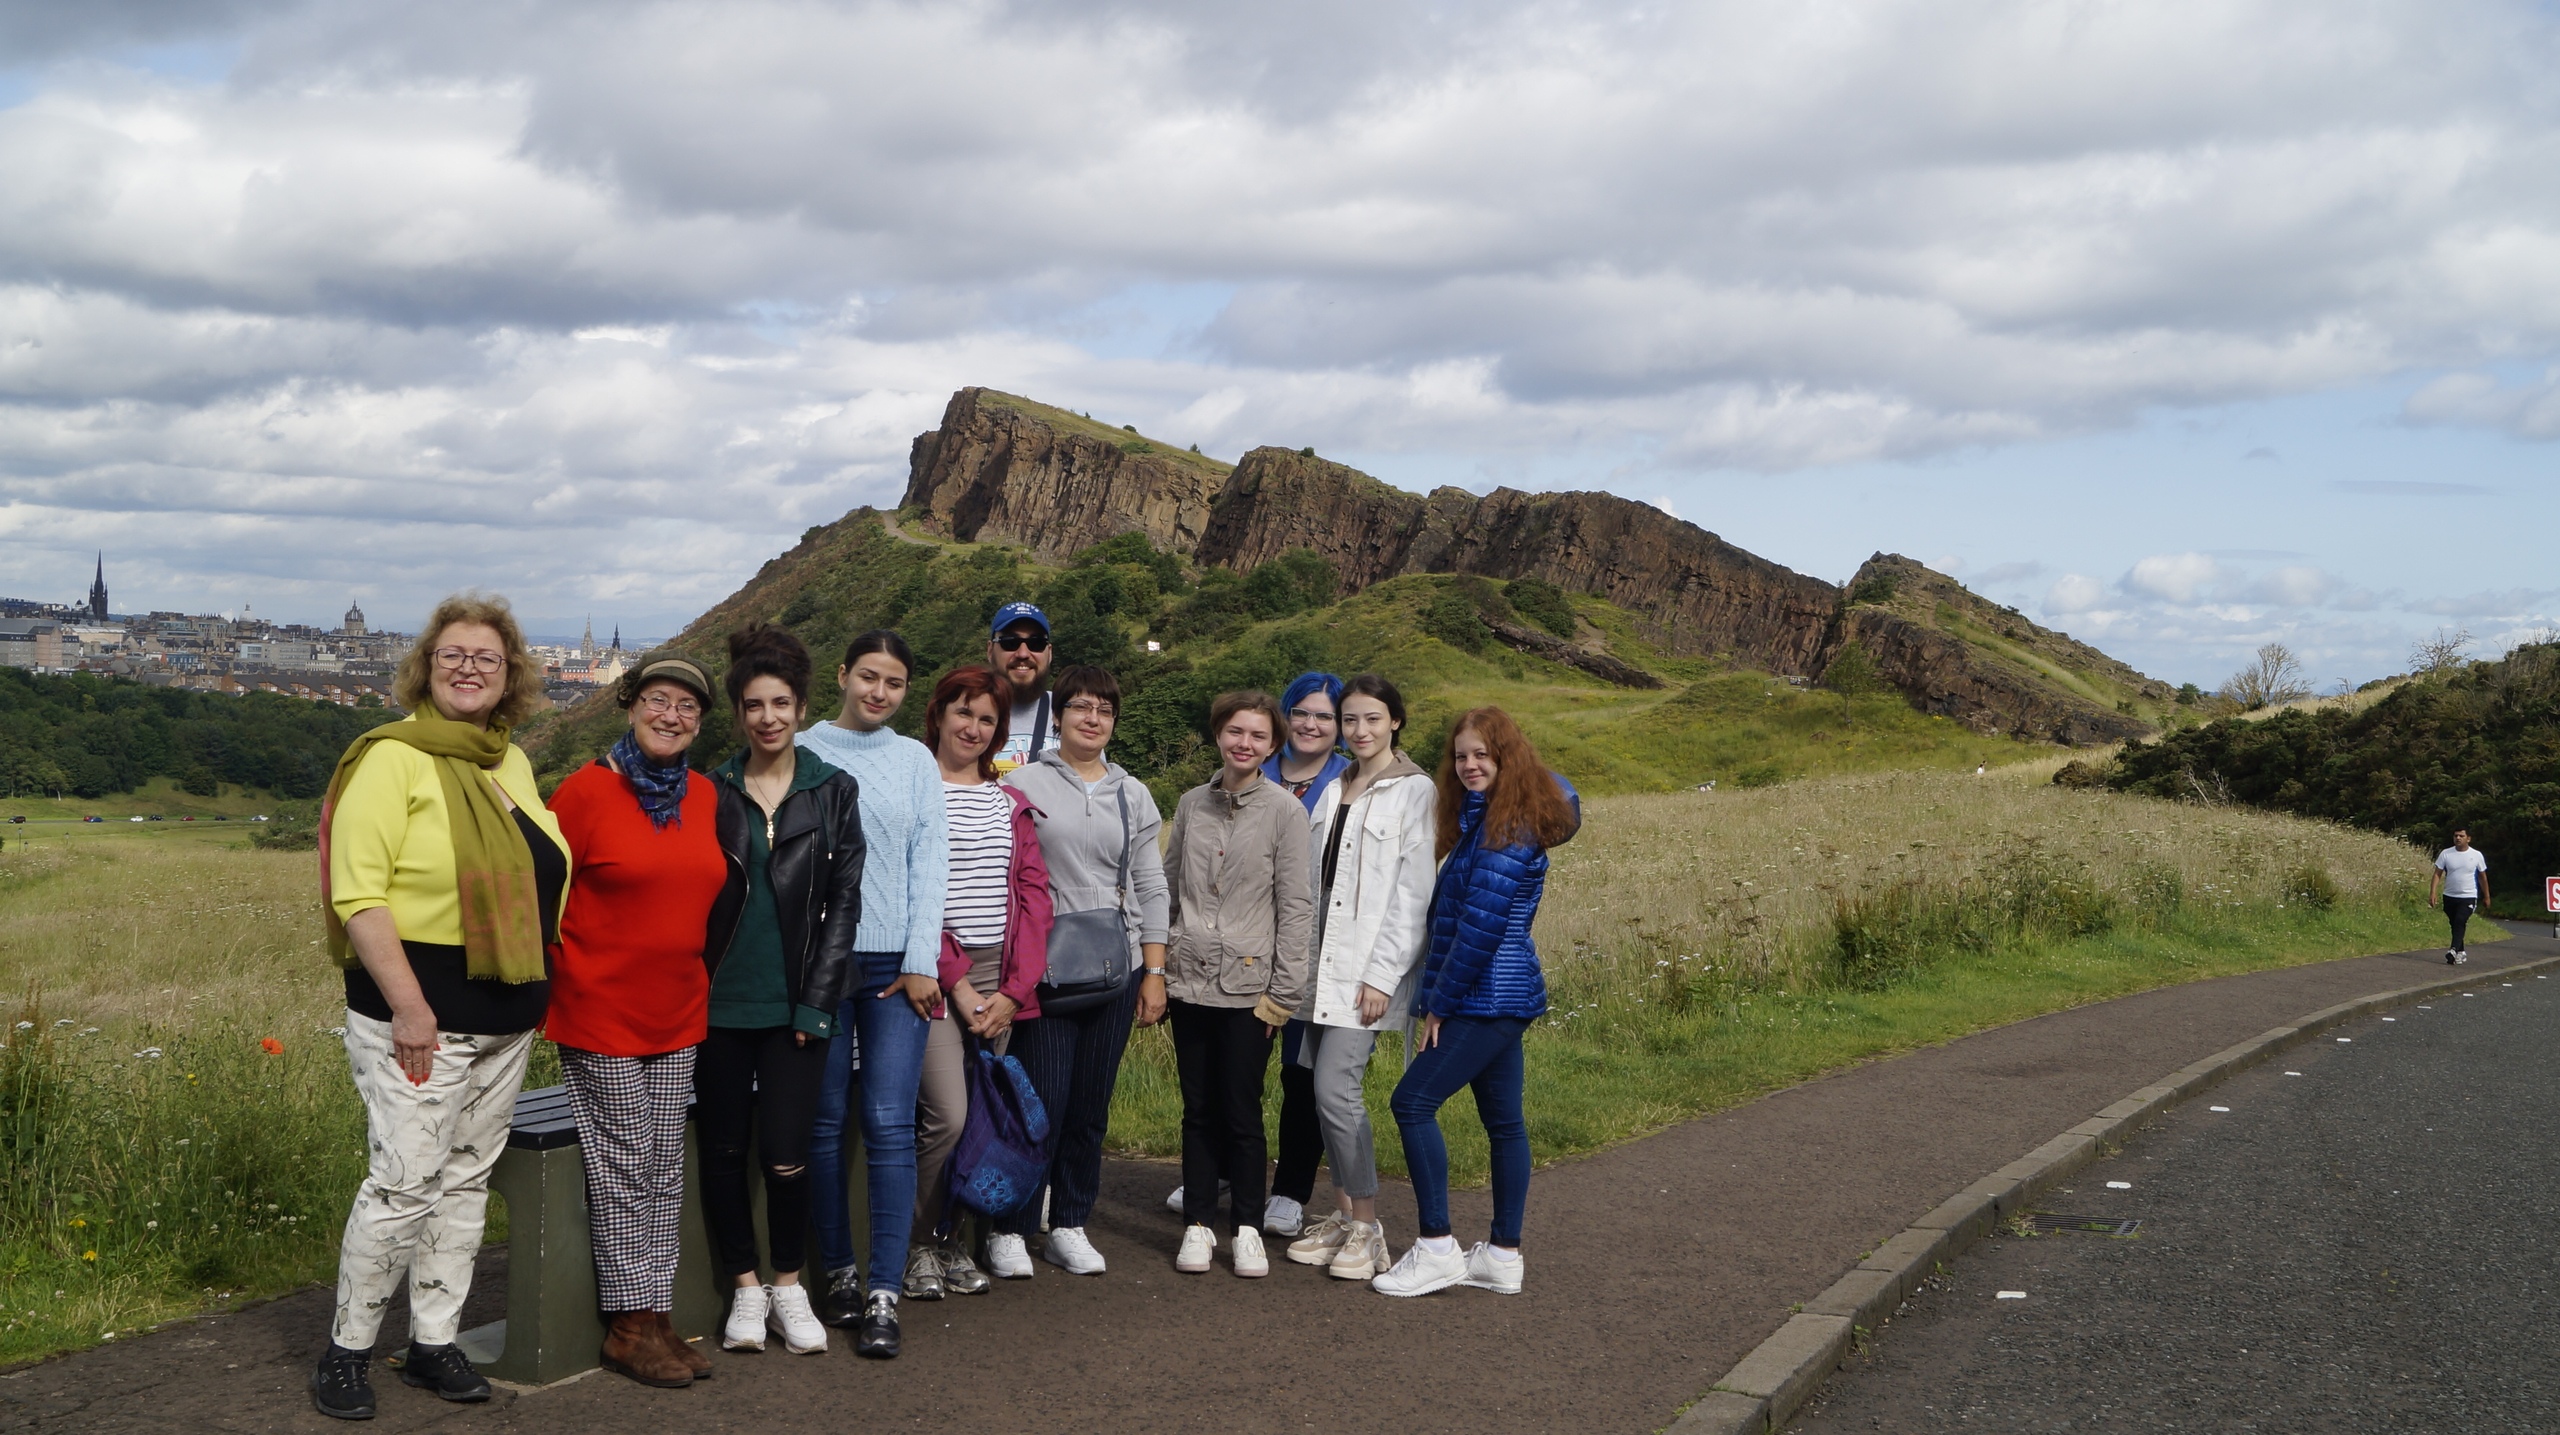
(995, 949)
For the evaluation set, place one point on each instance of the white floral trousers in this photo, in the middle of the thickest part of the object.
(418, 1216)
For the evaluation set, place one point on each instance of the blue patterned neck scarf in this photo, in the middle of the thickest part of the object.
(660, 789)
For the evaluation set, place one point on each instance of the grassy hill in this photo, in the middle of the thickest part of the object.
(1439, 637)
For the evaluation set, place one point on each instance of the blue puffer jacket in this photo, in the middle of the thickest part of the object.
(1482, 962)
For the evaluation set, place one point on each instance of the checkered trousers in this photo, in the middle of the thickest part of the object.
(630, 1115)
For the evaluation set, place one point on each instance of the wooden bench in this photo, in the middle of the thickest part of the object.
(552, 1327)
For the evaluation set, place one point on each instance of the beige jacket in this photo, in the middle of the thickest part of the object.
(1243, 909)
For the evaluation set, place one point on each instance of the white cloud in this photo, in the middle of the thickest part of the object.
(2179, 578)
(2073, 593)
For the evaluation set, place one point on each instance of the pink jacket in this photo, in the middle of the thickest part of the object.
(1026, 921)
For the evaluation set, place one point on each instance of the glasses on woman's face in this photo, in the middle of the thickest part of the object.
(455, 660)
(1088, 708)
(1309, 715)
(659, 705)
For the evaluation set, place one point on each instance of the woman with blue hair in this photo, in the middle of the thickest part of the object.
(1306, 765)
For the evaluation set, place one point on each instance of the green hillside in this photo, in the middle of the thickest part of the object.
(1434, 635)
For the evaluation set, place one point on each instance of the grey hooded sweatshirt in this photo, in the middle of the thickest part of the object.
(1082, 840)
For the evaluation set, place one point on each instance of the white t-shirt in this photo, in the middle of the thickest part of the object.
(2461, 868)
(1017, 750)
(981, 857)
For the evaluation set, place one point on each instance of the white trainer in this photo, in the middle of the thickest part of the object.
(1487, 1271)
(1422, 1271)
(1247, 1252)
(789, 1316)
(1199, 1243)
(1173, 1202)
(1068, 1250)
(1363, 1253)
(744, 1329)
(1282, 1216)
(1008, 1257)
(1323, 1241)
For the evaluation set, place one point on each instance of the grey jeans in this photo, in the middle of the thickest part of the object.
(942, 1094)
(1339, 1056)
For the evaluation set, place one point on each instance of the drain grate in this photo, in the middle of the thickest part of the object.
(2094, 1225)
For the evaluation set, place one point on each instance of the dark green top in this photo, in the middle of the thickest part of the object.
(749, 991)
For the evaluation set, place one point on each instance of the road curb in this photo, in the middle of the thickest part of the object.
(1766, 1388)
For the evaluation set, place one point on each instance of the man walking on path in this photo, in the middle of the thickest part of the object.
(1018, 648)
(2462, 875)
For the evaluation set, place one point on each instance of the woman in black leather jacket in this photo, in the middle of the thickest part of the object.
(780, 949)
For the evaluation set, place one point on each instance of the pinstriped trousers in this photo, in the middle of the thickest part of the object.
(630, 1115)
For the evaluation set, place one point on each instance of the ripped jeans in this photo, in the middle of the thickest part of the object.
(756, 1082)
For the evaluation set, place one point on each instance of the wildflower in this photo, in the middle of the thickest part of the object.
(77, 1223)
(88, 1255)
(148, 1053)
(271, 1046)
(151, 1225)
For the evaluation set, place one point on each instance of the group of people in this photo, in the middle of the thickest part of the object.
(837, 921)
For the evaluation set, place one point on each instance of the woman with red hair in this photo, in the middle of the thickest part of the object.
(995, 948)
(1500, 810)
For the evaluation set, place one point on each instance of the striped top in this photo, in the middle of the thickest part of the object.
(981, 854)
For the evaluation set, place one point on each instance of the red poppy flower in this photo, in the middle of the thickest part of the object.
(271, 1046)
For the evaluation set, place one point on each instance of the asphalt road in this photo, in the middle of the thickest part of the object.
(2366, 1246)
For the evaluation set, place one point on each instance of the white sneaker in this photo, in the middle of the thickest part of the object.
(1068, 1250)
(1423, 1271)
(1008, 1257)
(1199, 1243)
(789, 1316)
(1363, 1253)
(1282, 1216)
(744, 1329)
(1247, 1252)
(1173, 1202)
(1489, 1272)
(1323, 1241)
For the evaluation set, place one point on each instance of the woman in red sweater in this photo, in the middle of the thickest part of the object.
(630, 999)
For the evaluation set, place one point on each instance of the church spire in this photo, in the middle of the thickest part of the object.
(98, 591)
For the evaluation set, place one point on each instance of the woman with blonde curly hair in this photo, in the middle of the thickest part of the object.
(441, 879)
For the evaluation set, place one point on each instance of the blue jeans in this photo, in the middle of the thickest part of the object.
(890, 1038)
(1482, 1052)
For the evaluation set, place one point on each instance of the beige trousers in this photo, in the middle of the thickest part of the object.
(418, 1216)
(942, 1094)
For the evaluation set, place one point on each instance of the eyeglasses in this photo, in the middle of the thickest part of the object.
(1088, 707)
(1036, 642)
(454, 660)
(1308, 715)
(659, 705)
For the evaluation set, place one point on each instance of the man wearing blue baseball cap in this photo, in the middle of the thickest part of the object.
(1018, 648)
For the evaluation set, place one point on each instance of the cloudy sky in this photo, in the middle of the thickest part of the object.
(2182, 327)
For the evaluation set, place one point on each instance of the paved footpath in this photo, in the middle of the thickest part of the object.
(2365, 1246)
(1653, 1267)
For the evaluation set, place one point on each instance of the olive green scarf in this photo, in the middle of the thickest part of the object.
(493, 868)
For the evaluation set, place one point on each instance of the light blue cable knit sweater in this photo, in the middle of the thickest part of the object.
(909, 866)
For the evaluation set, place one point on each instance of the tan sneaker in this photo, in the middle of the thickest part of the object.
(1322, 1241)
(1363, 1253)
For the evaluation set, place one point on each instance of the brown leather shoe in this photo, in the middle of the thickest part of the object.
(632, 1347)
(695, 1360)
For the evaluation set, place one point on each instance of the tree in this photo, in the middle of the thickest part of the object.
(2440, 654)
(2272, 679)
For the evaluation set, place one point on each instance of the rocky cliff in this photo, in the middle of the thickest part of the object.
(1954, 653)
(1006, 469)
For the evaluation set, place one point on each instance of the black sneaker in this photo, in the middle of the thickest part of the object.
(841, 1306)
(878, 1337)
(342, 1386)
(445, 1370)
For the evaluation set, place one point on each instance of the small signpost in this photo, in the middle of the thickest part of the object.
(2551, 902)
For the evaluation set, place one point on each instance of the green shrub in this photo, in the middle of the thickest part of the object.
(1454, 619)
(1883, 936)
(2310, 885)
(1853, 673)
(1764, 774)
(1542, 603)
(292, 827)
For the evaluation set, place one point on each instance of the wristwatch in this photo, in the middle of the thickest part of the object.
(1153, 972)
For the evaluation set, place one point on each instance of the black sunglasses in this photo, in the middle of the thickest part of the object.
(1036, 642)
